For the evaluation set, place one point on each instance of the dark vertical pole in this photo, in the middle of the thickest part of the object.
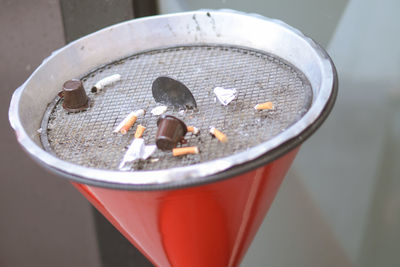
(115, 250)
(142, 8)
(81, 17)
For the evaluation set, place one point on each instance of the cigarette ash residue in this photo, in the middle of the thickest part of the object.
(87, 138)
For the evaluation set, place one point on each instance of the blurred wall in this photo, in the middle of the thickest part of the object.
(295, 231)
(44, 220)
(316, 18)
(359, 193)
(343, 184)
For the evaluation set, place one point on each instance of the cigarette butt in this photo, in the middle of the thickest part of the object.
(218, 134)
(180, 151)
(105, 82)
(193, 130)
(266, 105)
(128, 124)
(139, 131)
(123, 122)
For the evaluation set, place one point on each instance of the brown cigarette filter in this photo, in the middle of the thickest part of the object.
(128, 124)
(139, 131)
(219, 135)
(266, 105)
(180, 151)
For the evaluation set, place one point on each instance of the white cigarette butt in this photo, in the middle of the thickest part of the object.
(122, 123)
(136, 114)
(105, 82)
(139, 112)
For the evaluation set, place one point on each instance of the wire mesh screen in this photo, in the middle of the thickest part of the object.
(87, 138)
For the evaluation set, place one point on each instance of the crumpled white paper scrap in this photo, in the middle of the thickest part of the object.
(137, 150)
(159, 110)
(225, 96)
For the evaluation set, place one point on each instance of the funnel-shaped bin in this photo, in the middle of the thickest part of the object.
(202, 207)
(206, 225)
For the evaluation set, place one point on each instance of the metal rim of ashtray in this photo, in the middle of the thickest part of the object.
(209, 26)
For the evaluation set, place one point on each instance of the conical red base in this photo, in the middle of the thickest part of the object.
(201, 226)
